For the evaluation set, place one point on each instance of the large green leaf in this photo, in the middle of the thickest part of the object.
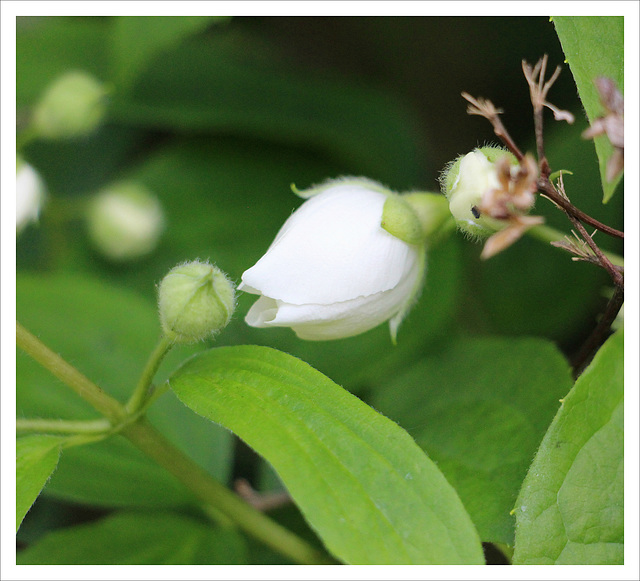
(36, 459)
(138, 538)
(107, 333)
(138, 39)
(480, 407)
(570, 509)
(594, 47)
(370, 493)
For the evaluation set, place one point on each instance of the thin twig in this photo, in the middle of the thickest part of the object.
(547, 190)
(539, 88)
(614, 272)
(485, 108)
(599, 334)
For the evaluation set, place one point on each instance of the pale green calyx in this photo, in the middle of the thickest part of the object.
(125, 221)
(466, 180)
(401, 220)
(72, 106)
(415, 217)
(195, 301)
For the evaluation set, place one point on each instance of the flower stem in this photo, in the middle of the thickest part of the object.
(145, 437)
(85, 388)
(42, 426)
(144, 389)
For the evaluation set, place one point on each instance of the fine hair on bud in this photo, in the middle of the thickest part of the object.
(195, 301)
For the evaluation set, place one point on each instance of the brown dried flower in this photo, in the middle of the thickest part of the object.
(611, 125)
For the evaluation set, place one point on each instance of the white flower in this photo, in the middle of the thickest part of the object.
(333, 271)
(29, 194)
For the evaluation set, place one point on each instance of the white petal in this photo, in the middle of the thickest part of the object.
(29, 194)
(337, 320)
(262, 313)
(332, 249)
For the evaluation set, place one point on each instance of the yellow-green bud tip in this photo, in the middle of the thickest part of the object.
(195, 301)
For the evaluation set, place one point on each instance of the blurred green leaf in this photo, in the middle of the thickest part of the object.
(139, 538)
(479, 407)
(594, 47)
(570, 510)
(223, 84)
(107, 333)
(36, 459)
(137, 40)
(361, 482)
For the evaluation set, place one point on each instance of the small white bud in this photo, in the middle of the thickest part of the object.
(466, 181)
(125, 221)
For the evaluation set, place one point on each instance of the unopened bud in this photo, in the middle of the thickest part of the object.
(466, 181)
(73, 106)
(125, 221)
(195, 301)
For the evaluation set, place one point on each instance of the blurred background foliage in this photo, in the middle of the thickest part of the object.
(218, 117)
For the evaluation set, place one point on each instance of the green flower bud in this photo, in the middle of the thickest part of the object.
(125, 221)
(195, 300)
(465, 181)
(73, 106)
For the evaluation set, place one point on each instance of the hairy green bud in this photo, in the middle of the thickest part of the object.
(195, 301)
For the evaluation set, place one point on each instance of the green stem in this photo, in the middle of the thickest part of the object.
(144, 389)
(42, 426)
(85, 388)
(145, 437)
(548, 234)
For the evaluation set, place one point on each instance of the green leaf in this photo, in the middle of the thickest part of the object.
(107, 333)
(570, 509)
(479, 407)
(360, 481)
(138, 538)
(36, 459)
(137, 40)
(594, 47)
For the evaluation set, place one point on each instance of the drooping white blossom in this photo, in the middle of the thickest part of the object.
(333, 271)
